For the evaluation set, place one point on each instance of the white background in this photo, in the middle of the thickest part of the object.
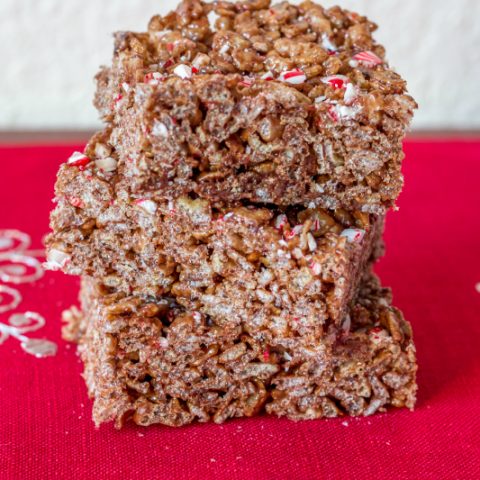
(51, 49)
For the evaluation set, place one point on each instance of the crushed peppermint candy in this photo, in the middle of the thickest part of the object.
(108, 164)
(56, 259)
(294, 77)
(225, 48)
(168, 63)
(212, 18)
(327, 44)
(280, 221)
(351, 94)
(126, 87)
(312, 244)
(183, 71)
(76, 202)
(268, 76)
(346, 325)
(153, 78)
(320, 99)
(297, 229)
(336, 81)
(343, 112)
(367, 58)
(315, 267)
(148, 206)
(266, 355)
(197, 316)
(159, 129)
(297, 253)
(353, 234)
(78, 159)
(246, 82)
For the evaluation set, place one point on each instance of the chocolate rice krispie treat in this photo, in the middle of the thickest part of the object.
(277, 104)
(155, 362)
(227, 261)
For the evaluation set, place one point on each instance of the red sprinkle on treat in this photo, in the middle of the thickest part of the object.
(78, 160)
(369, 59)
(295, 77)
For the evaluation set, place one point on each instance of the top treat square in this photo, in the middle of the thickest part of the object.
(277, 104)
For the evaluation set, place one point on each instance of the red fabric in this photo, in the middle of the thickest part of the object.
(433, 265)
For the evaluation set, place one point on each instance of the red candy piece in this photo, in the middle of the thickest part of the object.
(369, 59)
(78, 160)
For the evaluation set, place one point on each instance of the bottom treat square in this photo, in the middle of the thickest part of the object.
(150, 360)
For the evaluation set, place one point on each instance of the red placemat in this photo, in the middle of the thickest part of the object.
(433, 265)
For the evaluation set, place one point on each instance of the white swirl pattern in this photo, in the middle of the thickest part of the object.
(18, 265)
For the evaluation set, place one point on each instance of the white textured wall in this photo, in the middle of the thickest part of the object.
(50, 50)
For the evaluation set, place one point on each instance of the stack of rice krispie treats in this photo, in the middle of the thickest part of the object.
(226, 219)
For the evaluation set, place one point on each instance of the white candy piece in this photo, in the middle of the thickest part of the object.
(315, 267)
(346, 325)
(327, 44)
(75, 157)
(353, 234)
(350, 93)
(183, 71)
(106, 164)
(280, 221)
(345, 113)
(56, 259)
(126, 87)
(294, 77)
(312, 243)
(148, 205)
(159, 129)
(212, 18)
(225, 48)
(267, 76)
